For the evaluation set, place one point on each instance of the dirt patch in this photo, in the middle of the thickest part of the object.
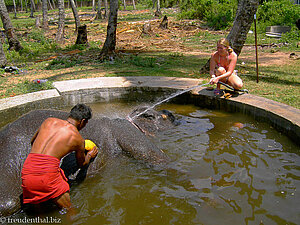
(132, 38)
(267, 58)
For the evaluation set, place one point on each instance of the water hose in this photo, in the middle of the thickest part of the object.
(233, 89)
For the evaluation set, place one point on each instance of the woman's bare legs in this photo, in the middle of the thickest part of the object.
(233, 80)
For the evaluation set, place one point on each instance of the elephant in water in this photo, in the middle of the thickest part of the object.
(112, 136)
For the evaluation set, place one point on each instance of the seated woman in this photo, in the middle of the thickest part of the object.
(222, 65)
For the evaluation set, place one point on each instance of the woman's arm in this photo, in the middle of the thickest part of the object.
(212, 64)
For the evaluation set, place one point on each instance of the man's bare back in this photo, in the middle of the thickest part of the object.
(57, 138)
(54, 139)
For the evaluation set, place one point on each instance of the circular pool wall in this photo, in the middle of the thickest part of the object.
(282, 117)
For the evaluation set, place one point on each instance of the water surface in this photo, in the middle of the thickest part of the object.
(226, 169)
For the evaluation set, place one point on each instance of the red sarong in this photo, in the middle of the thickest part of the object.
(42, 178)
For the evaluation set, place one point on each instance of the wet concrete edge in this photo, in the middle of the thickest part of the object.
(284, 118)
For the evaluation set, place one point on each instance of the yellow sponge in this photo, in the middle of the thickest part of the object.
(89, 145)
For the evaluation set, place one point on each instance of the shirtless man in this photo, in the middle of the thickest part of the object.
(222, 65)
(42, 178)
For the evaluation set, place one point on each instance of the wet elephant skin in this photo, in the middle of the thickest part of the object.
(113, 136)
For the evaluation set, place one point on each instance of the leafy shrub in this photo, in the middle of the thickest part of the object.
(195, 9)
(221, 16)
(218, 14)
(291, 37)
(283, 12)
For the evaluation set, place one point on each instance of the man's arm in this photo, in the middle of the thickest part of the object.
(84, 159)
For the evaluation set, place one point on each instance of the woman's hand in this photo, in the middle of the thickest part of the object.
(214, 80)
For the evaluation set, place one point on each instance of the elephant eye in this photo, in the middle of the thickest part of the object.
(148, 116)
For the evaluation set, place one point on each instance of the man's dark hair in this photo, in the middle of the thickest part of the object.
(80, 112)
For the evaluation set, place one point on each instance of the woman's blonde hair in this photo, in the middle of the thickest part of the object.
(225, 42)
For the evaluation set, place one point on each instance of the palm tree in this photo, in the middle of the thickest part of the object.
(61, 21)
(76, 16)
(106, 9)
(99, 16)
(32, 8)
(45, 14)
(242, 23)
(109, 46)
(3, 60)
(13, 42)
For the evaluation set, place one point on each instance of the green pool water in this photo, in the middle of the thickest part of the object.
(226, 169)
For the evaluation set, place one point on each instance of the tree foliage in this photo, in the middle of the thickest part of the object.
(283, 12)
(219, 14)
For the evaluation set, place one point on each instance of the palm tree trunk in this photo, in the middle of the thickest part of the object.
(15, 8)
(76, 16)
(124, 3)
(109, 46)
(50, 4)
(93, 5)
(32, 8)
(133, 3)
(242, 23)
(13, 42)
(99, 15)
(3, 60)
(158, 12)
(61, 21)
(106, 9)
(45, 14)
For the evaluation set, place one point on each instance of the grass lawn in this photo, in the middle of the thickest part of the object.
(179, 51)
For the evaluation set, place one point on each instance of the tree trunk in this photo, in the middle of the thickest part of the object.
(53, 4)
(109, 46)
(99, 15)
(242, 23)
(61, 22)
(3, 60)
(82, 36)
(32, 8)
(37, 22)
(164, 23)
(15, 8)
(13, 42)
(133, 3)
(106, 9)
(45, 14)
(158, 12)
(76, 16)
(94, 5)
(50, 5)
(26, 7)
(124, 3)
